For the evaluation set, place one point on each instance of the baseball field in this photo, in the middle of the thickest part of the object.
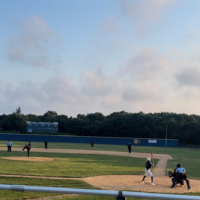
(108, 167)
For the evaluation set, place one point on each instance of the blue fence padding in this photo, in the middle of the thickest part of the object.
(97, 140)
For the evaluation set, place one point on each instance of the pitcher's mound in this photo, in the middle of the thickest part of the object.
(35, 159)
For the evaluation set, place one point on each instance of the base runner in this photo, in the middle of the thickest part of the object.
(149, 164)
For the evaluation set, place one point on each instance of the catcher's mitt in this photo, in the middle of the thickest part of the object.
(170, 173)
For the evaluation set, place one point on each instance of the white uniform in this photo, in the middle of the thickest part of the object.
(148, 172)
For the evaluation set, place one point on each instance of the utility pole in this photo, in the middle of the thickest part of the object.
(166, 137)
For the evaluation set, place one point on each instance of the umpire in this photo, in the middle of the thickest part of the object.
(181, 175)
(173, 176)
(9, 144)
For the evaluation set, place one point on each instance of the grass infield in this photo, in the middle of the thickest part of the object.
(71, 165)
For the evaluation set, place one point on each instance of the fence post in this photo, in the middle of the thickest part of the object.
(120, 197)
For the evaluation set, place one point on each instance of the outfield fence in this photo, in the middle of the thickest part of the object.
(119, 195)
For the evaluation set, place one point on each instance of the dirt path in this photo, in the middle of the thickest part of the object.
(124, 182)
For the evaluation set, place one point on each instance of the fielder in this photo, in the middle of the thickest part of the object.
(28, 147)
(149, 164)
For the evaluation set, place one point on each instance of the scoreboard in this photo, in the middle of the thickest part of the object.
(42, 127)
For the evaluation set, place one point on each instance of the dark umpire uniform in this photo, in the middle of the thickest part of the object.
(173, 176)
(129, 147)
(28, 147)
(181, 175)
(46, 144)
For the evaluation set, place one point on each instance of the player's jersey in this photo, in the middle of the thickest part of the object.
(180, 170)
(148, 165)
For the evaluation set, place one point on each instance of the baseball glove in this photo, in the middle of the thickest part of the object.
(170, 173)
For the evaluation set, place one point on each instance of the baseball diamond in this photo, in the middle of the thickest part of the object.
(117, 182)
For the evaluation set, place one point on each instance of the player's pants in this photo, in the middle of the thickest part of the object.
(28, 149)
(9, 148)
(148, 172)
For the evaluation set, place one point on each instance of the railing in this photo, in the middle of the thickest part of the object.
(120, 195)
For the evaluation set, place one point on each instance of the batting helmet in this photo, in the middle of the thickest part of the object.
(148, 159)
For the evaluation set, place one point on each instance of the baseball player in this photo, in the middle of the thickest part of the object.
(28, 147)
(181, 175)
(129, 147)
(173, 176)
(46, 144)
(149, 164)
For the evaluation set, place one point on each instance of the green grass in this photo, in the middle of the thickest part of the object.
(72, 165)
(180, 155)
(57, 145)
(78, 165)
(8, 195)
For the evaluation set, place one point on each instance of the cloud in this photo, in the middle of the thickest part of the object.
(133, 86)
(144, 12)
(56, 93)
(147, 65)
(95, 84)
(189, 77)
(148, 81)
(111, 25)
(34, 43)
(149, 93)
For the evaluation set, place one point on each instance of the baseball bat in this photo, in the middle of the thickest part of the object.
(152, 156)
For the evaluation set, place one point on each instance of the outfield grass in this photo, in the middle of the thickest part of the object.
(8, 195)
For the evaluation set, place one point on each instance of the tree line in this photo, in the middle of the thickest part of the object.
(185, 128)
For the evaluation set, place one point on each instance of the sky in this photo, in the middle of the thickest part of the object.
(85, 56)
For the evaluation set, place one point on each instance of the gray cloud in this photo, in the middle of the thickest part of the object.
(147, 64)
(34, 43)
(150, 93)
(189, 77)
(144, 12)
